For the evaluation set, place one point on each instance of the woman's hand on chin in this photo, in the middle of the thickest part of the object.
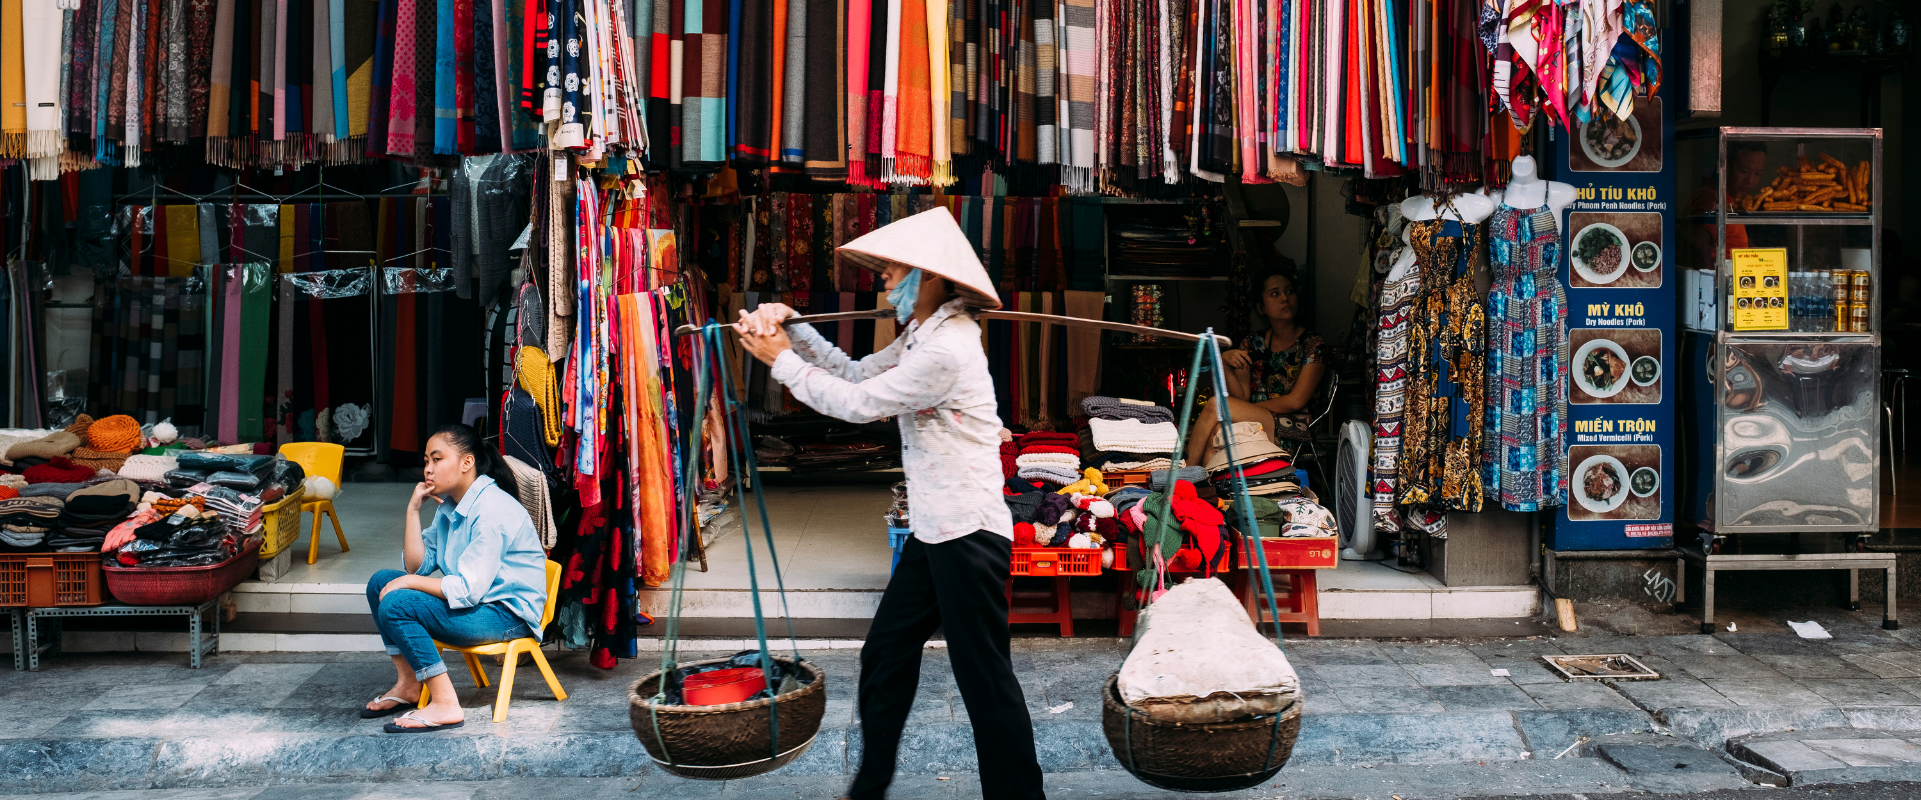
(422, 491)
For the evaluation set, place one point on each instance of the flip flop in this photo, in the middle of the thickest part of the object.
(425, 726)
(368, 713)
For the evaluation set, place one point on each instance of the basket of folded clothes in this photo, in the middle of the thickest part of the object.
(188, 557)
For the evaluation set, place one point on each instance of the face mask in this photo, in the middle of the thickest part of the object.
(904, 296)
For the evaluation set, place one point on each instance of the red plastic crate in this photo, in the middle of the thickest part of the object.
(1295, 553)
(181, 586)
(51, 580)
(1052, 561)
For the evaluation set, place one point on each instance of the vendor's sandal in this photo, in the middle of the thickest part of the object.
(425, 726)
(368, 713)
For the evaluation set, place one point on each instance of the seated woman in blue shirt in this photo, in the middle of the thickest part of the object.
(493, 581)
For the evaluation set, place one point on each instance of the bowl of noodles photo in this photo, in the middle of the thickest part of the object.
(1600, 483)
(1609, 141)
(1600, 253)
(1601, 368)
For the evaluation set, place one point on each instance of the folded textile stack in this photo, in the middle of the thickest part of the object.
(58, 469)
(239, 510)
(245, 473)
(1120, 408)
(1194, 475)
(1141, 424)
(1132, 436)
(1265, 466)
(1285, 517)
(90, 513)
(52, 445)
(25, 522)
(1051, 457)
(148, 469)
(188, 538)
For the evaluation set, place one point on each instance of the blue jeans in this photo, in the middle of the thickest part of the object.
(411, 620)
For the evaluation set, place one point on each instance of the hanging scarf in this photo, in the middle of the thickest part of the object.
(856, 44)
(793, 125)
(890, 93)
(914, 145)
(826, 122)
(400, 105)
(706, 96)
(40, 85)
(318, 91)
(1078, 68)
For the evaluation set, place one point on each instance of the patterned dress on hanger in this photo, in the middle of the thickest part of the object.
(1390, 392)
(1446, 400)
(1524, 466)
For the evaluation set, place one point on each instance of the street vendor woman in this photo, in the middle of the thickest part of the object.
(952, 573)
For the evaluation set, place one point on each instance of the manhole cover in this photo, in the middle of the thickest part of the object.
(1612, 666)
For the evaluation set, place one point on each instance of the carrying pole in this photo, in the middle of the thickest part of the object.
(998, 316)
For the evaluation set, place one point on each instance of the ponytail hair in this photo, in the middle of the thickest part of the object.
(487, 460)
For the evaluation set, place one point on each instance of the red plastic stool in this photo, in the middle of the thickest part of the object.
(1059, 598)
(1296, 591)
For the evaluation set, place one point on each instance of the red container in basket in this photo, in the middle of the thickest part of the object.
(723, 686)
(180, 586)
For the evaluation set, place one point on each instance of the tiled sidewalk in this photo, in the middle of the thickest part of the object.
(117, 721)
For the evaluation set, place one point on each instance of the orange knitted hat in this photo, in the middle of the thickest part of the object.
(118, 433)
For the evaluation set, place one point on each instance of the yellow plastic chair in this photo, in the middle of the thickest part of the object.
(319, 458)
(511, 652)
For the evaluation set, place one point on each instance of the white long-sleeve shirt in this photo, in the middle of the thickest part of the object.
(934, 379)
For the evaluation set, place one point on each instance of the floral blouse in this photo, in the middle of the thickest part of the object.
(1274, 373)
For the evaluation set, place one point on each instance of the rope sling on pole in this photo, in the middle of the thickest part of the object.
(1164, 537)
(721, 757)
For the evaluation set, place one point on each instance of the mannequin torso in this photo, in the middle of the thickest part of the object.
(1473, 209)
(1526, 190)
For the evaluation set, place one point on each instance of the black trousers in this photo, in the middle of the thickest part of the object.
(958, 586)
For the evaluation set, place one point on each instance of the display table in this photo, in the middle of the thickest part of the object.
(26, 624)
(1711, 563)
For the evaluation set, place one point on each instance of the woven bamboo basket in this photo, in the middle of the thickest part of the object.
(729, 741)
(1220, 757)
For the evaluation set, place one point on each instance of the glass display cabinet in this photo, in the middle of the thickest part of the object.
(1783, 355)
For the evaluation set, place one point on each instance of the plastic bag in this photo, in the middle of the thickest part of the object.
(217, 462)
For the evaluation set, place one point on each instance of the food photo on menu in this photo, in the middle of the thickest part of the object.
(1608, 144)
(1615, 250)
(1616, 481)
(1614, 365)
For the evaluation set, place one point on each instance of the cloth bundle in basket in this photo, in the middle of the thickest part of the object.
(1200, 660)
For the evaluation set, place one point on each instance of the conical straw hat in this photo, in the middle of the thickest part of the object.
(931, 241)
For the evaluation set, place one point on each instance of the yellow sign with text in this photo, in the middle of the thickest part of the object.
(1760, 289)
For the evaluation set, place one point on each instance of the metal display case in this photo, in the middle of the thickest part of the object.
(1787, 416)
(1796, 412)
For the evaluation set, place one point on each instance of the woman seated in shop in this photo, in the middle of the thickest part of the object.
(492, 585)
(1272, 377)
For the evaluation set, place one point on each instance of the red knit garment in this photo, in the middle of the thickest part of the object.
(1047, 437)
(8, 493)
(1201, 520)
(1023, 534)
(58, 470)
(1028, 450)
(1009, 451)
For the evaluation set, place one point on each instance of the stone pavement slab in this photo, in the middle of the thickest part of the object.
(132, 721)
